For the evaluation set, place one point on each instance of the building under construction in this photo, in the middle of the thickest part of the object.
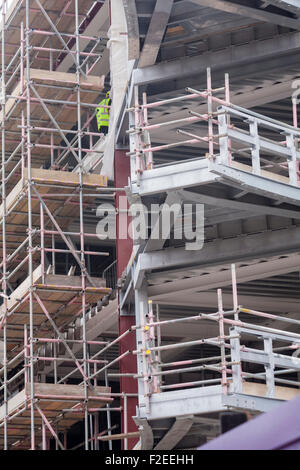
(150, 277)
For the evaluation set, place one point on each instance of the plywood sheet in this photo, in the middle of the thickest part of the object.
(260, 390)
(264, 173)
(68, 397)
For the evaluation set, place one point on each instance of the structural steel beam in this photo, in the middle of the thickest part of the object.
(177, 432)
(222, 278)
(192, 173)
(207, 30)
(230, 250)
(157, 240)
(225, 59)
(289, 5)
(237, 205)
(133, 29)
(204, 300)
(147, 439)
(215, 218)
(201, 401)
(242, 401)
(258, 184)
(184, 402)
(156, 32)
(255, 13)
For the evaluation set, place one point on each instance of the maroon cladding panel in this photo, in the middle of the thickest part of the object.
(124, 250)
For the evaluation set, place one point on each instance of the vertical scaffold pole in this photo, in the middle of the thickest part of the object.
(158, 335)
(234, 292)
(295, 112)
(22, 60)
(222, 334)
(108, 415)
(42, 242)
(44, 439)
(125, 421)
(147, 140)
(151, 338)
(30, 266)
(295, 124)
(210, 115)
(227, 99)
(138, 160)
(4, 269)
(83, 274)
(23, 141)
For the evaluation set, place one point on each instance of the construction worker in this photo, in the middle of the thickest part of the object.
(102, 114)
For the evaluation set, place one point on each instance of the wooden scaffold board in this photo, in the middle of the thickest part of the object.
(61, 14)
(65, 208)
(61, 296)
(55, 401)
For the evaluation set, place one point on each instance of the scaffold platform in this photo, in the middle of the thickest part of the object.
(59, 191)
(53, 108)
(62, 405)
(59, 296)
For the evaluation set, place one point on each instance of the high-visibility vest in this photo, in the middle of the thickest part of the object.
(103, 113)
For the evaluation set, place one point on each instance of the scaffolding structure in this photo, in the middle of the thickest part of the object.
(46, 117)
(47, 132)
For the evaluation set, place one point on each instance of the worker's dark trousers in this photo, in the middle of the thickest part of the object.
(103, 130)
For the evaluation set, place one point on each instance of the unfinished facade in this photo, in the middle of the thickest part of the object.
(144, 341)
